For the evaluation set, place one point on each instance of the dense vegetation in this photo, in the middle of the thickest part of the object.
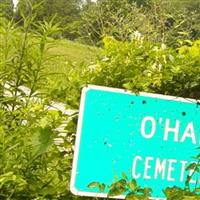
(155, 20)
(145, 46)
(88, 21)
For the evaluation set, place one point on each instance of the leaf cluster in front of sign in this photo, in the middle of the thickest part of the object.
(124, 186)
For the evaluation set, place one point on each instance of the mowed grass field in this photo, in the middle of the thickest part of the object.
(73, 52)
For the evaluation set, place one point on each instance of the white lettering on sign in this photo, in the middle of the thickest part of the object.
(171, 168)
(160, 168)
(154, 168)
(147, 167)
(189, 133)
(136, 176)
(171, 130)
(153, 127)
(164, 169)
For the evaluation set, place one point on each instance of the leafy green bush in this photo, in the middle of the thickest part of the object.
(150, 67)
(31, 165)
(66, 86)
(124, 186)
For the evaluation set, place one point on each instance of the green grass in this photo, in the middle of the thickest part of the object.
(75, 52)
(69, 52)
(69, 67)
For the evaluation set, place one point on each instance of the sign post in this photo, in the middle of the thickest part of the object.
(152, 138)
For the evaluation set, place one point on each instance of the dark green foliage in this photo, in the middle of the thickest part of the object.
(155, 20)
(28, 168)
(173, 21)
(176, 193)
(140, 2)
(66, 13)
(114, 18)
(6, 8)
(32, 166)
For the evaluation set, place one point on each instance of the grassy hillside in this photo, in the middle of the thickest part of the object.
(69, 52)
(68, 66)
(74, 52)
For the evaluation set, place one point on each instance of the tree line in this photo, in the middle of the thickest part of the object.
(88, 22)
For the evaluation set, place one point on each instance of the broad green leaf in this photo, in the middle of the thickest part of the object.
(100, 186)
(117, 188)
(116, 191)
(42, 139)
(131, 196)
(192, 166)
(132, 185)
(93, 185)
